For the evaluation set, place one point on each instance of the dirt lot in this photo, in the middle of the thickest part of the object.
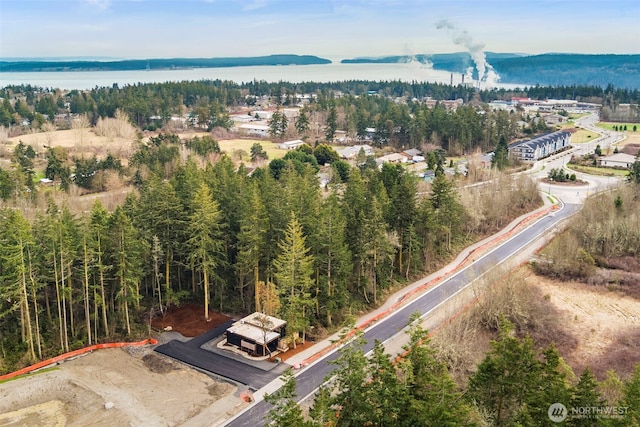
(188, 320)
(144, 388)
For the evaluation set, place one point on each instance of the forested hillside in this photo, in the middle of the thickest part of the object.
(395, 104)
(550, 69)
(309, 237)
(158, 64)
(208, 231)
(514, 384)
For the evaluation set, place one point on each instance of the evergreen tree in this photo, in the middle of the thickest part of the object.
(332, 124)
(634, 172)
(501, 154)
(17, 284)
(302, 122)
(433, 397)
(128, 252)
(258, 153)
(447, 210)
(205, 249)
(98, 224)
(504, 377)
(585, 394)
(333, 261)
(277, 124)
(293, 269)
(160, 213)
(631, 399)
(350, 394)
(285, 411)
(252, 245)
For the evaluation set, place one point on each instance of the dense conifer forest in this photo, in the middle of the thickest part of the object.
(198, 225)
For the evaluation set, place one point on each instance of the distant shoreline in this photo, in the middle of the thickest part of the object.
(158, 64)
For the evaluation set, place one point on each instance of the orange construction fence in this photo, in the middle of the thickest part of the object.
(64, 356)
(404, 299)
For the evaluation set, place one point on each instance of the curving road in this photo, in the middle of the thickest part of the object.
(309, 379)
(312, 377)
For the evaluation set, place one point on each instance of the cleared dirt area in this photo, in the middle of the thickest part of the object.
(134, 386)
(108, 388)
(606, 324)
(188, 320)
(631, 144)
(78, 142)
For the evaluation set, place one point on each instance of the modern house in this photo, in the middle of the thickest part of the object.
(619, 160)
(257, 334)
(540, 146)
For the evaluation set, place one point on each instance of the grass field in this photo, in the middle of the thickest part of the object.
(84, 141)
(232, 147)
(610, 125)
(592, 170)
(582, 136)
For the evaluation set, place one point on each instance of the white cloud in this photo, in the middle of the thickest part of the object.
(100, 4)
(256, 4)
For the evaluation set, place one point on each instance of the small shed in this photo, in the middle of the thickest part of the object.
(257, 334)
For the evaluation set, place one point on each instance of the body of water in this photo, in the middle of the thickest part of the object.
(292, 73)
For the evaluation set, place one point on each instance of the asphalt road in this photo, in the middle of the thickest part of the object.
(313, 376)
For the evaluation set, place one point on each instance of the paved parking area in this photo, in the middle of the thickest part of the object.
(201, 352)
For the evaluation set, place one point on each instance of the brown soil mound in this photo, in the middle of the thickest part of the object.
(157, 364)
(189, 320)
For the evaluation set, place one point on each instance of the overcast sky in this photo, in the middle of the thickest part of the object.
(334, 29)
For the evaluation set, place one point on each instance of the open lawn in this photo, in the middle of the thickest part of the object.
(610, 126)
(582, 136)
(232, 146)
(574, 116)
(592, 170)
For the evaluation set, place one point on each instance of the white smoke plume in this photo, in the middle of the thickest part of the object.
(486, 73)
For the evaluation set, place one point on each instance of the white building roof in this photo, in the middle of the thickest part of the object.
(620, 158)
(253, 126)
(258, 327)
(292, 144)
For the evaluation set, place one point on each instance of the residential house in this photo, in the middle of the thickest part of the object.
(263, 115)
(618, 160)
(391, 158)
(352, 152)
(411, 152)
